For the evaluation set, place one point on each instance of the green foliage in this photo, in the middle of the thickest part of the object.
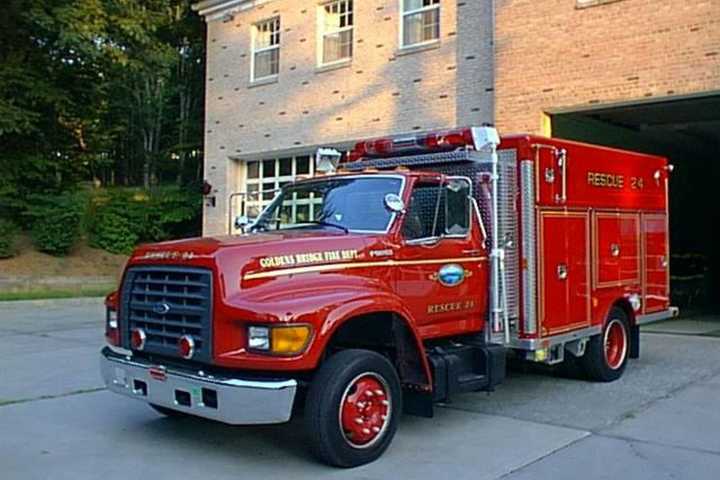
(7, 238)
(120, 218)
(108, 91)
(55, 221)
(114, 234)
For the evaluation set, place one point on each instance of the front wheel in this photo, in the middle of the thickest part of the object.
(606, 355)
(352, 408)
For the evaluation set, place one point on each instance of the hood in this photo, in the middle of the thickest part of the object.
(280, 242)
(232, 256)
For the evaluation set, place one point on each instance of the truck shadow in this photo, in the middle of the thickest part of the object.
(253, 443)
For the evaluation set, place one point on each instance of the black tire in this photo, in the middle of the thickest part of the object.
(601, 363)
(168, 412)
(330, 398)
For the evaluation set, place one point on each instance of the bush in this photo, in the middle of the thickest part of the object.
(121, 216)
(55, 221)
(8, 230)
(114, 234)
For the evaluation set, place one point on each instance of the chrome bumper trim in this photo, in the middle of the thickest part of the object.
(547, 342)
(239, 401)
(657, 316)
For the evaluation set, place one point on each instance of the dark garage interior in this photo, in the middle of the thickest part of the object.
(687, 131)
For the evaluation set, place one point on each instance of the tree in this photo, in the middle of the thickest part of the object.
(101, 90)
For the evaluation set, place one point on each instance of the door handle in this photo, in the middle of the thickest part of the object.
(472, 252)
(562, 271)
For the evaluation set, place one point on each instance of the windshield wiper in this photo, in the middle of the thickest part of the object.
(325, 223)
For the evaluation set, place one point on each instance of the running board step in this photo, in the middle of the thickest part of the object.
(466, 368)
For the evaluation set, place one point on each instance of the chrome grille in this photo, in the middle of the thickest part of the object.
(167, 302)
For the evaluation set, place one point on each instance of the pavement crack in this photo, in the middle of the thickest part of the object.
(644, 406)
(5, 403)
(543, 457)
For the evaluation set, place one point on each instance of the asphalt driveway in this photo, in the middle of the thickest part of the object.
(661, 420)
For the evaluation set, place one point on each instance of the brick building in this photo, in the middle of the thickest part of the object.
(285, 77)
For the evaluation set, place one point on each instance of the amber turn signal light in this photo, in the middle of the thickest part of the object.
(290, 340)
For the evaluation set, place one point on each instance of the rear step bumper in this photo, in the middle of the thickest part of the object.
(230, 400)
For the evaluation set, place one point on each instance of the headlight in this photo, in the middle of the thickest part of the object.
(279, 340)
(259, 338)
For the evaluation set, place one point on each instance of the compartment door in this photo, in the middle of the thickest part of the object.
(617, 245)
(564, 265)
(656, 272)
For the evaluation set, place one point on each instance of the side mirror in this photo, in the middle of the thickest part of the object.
(394, 203)
(242, 221)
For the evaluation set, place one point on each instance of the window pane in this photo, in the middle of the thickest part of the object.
(268, 168)
(252, 211)
(303, 213)
(268, 191)
(285, 167)
(421, 27)
(337, 46)
(267, 63)
(267, 34)
(425, 212)
(253, 170)
(415, 4)
(302, 166)
(458, 207)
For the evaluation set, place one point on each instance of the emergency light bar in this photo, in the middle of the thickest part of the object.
(426, 142)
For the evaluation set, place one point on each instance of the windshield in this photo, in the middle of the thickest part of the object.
(348, 204)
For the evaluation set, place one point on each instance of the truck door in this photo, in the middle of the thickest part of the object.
(442, 267)
(656, 276)
(564, 268)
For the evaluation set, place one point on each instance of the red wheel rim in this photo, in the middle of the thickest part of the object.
(365, 410)
(615, 344)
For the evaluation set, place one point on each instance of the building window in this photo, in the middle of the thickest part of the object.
(263, 179)
(266, 49)
(336, 27)
(420, 22)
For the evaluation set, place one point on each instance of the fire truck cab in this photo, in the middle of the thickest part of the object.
(405, 277)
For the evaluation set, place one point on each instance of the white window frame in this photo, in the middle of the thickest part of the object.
(277, 180)
(255, 50)
(322, 33)
(404, 13)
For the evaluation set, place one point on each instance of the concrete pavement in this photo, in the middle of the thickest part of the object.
(56, 421)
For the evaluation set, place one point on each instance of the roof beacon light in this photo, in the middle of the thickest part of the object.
(477, 138)
(326, 160)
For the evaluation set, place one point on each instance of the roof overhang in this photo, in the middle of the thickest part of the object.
(224, 9)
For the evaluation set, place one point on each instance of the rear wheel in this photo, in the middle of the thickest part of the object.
(352, 408)
(606, 355)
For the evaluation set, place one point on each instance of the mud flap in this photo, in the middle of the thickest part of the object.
(419, 404)
(634, 342)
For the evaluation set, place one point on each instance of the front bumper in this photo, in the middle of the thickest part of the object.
(230, 400)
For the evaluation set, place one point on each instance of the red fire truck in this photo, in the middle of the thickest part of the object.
(405, 277)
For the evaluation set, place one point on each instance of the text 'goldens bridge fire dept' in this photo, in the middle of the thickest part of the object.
(308, 258)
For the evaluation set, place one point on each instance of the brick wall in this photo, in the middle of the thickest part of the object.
(382, 91)
(551, 54)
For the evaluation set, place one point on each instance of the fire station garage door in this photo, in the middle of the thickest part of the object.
(687, 131)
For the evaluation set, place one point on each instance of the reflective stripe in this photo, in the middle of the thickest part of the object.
(350, 265)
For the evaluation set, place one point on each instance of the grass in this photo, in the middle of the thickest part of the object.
(47, 293)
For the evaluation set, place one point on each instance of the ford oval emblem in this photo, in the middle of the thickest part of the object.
(451, 275)
(161, 308)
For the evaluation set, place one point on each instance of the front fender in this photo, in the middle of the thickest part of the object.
(371, 302)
